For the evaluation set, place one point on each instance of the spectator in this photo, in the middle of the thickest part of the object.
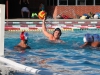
(41, 7)
(24, 4)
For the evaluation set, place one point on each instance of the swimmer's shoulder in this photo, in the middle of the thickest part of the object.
(28, 47)
(18, 48)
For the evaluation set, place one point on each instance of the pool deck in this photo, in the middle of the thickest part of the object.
(5, 70)
(28, 19)
(27, 24)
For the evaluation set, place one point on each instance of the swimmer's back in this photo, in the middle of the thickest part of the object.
(95, 44)
(96, 40)
(19, 48)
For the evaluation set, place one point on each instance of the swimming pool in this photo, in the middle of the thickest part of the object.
(66, 58)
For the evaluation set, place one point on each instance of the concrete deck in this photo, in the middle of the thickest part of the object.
(5, 70)
(26, 19)
(65, 24)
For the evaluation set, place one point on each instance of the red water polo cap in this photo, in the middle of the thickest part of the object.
(22, 37)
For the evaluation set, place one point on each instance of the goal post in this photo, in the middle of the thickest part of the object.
(2, 28)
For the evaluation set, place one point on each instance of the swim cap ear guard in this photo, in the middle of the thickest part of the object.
(26, 35)
(84, 39)
(57, 29)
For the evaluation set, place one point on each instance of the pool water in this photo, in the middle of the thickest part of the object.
(67, 58)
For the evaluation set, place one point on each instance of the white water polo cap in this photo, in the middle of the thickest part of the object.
(88, 38)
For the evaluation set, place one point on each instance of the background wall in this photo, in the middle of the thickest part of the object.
(71, 11)
(15, 9)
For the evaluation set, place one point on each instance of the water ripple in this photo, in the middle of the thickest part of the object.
(65, 58)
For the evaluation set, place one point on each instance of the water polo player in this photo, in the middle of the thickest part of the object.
(91, 40)
(88, 39)
(23, 43)
(55, 37)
